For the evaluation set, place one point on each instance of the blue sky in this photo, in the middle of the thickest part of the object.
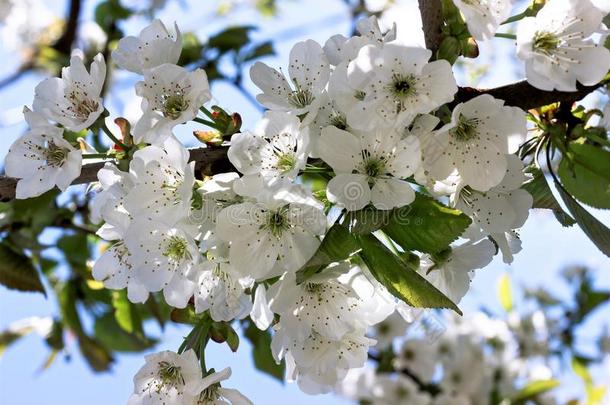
(547, 246)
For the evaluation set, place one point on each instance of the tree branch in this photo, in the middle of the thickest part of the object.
(64, 43)
(524, 95)
(208, 161)
(432, 23)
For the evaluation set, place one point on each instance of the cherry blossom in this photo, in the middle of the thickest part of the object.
(483, 17)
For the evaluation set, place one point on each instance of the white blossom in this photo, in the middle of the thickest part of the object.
(369, 168)
(276, 233)
(475, 142)
(74, 100)
(277, 149)
(483, 17)
(452, 273)
(389, 86)
(214, 394)
(308, 70)
(168, 378)
(398, 389)
(171, 96)
(216, 193)
(41, 159)
(417, 356)
(153, 47)
(558, 48)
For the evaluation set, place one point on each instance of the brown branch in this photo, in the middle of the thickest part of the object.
(524, 95)
(207, 161)
(64, 43)
(432, 23)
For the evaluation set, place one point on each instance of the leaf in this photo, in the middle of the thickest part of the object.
(595, 230)
(367, 220)
(95, 353)
(260, 50)
(338, 244)
(585, 173)
(76, 250)
(126, 313)
(534, 388)
(543, 196)
(426, 225)
(108, 331)
(401, 280)
(261, 352)
(17, 271)
(233, 38)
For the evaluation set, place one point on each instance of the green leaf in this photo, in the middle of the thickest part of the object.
(17, 271)
(66, 296)
(534, 388)
(367, 220)
(261, 352)
(338, 244)
(585, 173)
(426, 225)
(108, 331)
(126, 313)
(76, 250)
(595, 230)
(505, 293)
(400, 279)
(543, 196)
(98, 357)
(233, 38)
(260, 50)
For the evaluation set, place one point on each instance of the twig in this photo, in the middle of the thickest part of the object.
(432, 22)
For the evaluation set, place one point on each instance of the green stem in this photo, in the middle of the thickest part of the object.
(210, 124)
(517, 17)
(505, 35)
(206, 112)
(114, 138)
(95, 156)
(598, 139)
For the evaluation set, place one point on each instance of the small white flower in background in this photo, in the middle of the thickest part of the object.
(167, 378)
(389, 86)
(397, 389)
(74, 100)
(220, 289)
(276, 233)
(309, 71)
(329, 114)
(475, 142)
(41, 159)
(163, 257)
(465, 371)
(558, 48)
(214, 394)
(392, 327)
(418, 357)
(277, 149)
(452, 274)
(341, 49)
(500, 210)
(369, 168)
(171, 96)
(153, 47)
(451, 399)
(483, 17)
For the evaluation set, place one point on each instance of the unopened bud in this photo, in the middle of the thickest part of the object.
(470, 48)
(449, 49)
(211, 137)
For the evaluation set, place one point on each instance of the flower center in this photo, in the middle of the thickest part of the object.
(338, 120)
(286, 161)
(545, 42)
(277, 222)
(176, 248)
(170, 375)
(300, 98)
(55, 155)
(466, 129)
(174, 105)
(360, 95)
(209, 395)
(402, 86)
(81, 106)
(372, 166)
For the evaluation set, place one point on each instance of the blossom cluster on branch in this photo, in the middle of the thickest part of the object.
(314, 236)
